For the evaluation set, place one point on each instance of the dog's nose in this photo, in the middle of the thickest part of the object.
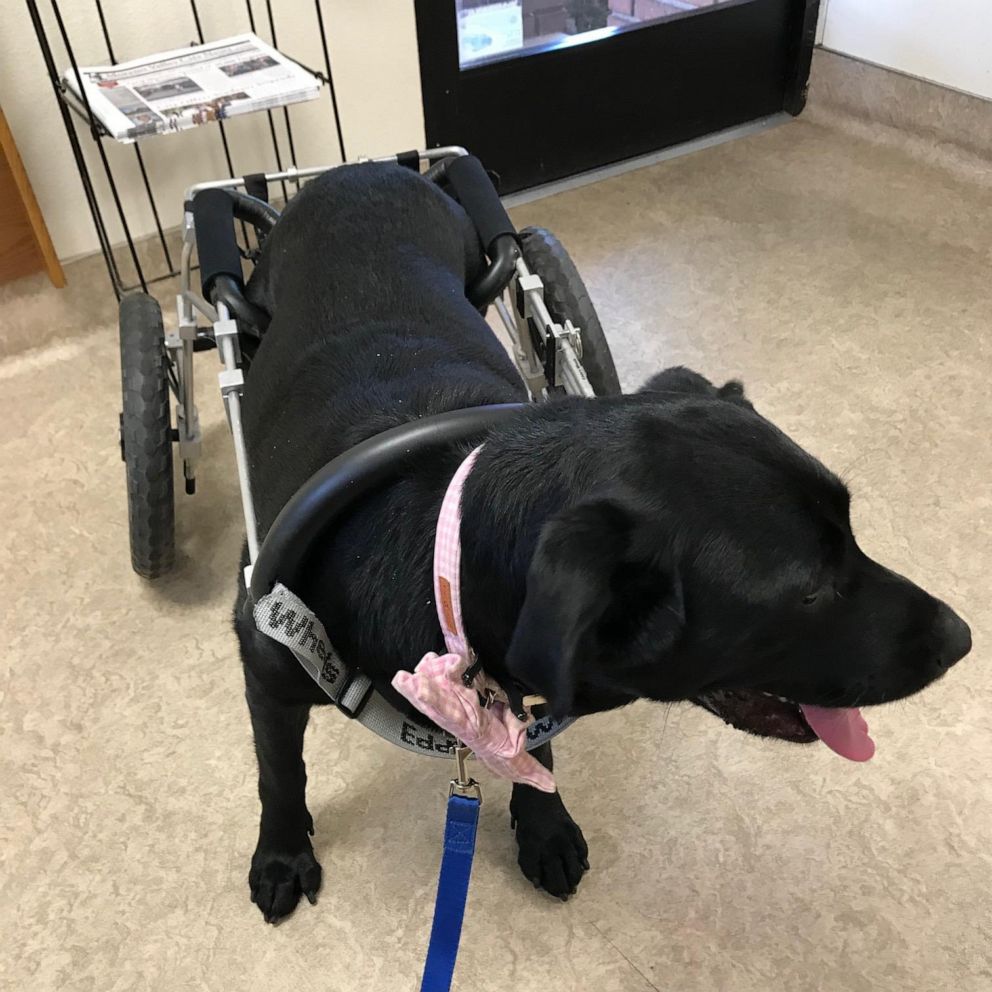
(953, 637)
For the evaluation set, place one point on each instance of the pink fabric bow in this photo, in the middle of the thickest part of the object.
(496, 736)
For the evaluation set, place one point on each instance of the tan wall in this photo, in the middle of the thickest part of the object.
(373, 51)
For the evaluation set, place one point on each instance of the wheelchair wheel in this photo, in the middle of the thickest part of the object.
(566, 297)
(146, 436)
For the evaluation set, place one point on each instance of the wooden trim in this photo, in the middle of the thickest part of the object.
(42, 239)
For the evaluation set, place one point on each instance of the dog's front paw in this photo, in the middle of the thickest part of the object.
(278, 878)
(552, 853)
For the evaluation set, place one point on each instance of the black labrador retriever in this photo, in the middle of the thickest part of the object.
(669, 545)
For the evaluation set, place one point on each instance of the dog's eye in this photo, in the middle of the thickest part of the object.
(810, 599)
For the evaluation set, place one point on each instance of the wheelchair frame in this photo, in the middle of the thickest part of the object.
(547, 353)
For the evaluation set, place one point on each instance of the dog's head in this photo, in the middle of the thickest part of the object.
(719, 566)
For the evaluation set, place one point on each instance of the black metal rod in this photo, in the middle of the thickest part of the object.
(106, 248)
(99, 144)
(330, 79)
(77, 151)
(106, 33)
(137, 149)
(275, 147)
(268, 113)
(220, 123)
(289, 135)
(285, 110)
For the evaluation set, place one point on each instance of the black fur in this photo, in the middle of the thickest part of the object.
(672, 544)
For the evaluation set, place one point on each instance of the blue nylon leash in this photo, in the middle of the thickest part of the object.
(452, 885)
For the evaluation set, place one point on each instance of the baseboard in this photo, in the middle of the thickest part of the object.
(949, 128)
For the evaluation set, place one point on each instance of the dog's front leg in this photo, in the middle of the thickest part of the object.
(283, 867)
(552, 852)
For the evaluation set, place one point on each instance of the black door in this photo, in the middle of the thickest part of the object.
(543, 89)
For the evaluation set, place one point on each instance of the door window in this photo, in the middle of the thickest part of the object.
(495, 29)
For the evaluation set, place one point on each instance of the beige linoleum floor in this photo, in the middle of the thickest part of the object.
(851, 288)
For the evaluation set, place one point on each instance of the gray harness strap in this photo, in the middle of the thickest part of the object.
(285, 618)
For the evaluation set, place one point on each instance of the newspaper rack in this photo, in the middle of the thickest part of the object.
(76, 110)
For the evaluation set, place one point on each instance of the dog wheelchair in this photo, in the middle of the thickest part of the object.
(557, 342)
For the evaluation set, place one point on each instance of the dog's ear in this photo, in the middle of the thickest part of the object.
(601, 606)
(681, 381)
(733, 392)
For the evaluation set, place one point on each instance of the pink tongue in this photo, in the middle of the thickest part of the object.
(843, 730)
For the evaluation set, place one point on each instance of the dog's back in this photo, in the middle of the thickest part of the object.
(370, 229)
(364, 276)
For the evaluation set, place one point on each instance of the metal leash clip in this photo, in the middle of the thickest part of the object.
(463, 784)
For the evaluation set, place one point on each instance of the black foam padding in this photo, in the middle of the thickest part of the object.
(409, 160)
(332, 490)
(476, 193)
(216, 244)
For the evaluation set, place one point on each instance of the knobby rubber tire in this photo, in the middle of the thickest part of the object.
(146, 435)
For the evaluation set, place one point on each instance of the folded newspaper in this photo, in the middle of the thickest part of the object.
(172, 91)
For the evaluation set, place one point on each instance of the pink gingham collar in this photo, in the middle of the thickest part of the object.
(439, 687)
(447, 587)
(448, 563)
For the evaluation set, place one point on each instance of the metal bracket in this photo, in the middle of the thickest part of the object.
(227, 328)
(570, 333)
(231, 381)
(186, 331)
(530, 283)
(556, 339)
